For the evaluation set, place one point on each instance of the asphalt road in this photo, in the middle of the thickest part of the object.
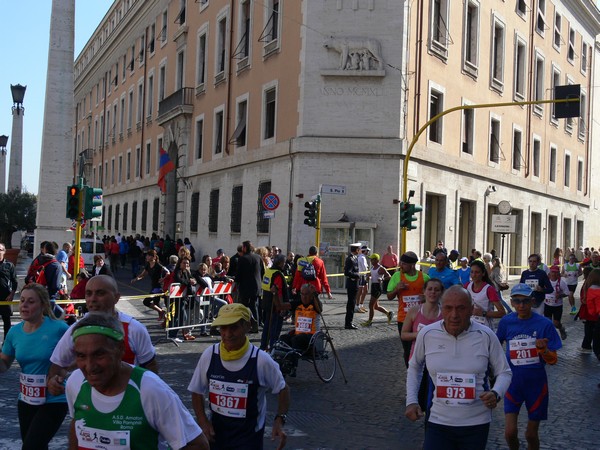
(367, 412)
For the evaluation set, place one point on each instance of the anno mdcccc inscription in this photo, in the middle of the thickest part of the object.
(356, 91)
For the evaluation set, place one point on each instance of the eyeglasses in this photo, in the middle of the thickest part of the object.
(521, 301)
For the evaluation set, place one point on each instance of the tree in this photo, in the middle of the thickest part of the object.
(17, 212)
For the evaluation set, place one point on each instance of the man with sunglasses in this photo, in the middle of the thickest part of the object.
(531, 343)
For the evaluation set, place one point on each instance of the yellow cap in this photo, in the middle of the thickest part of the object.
(232, 313)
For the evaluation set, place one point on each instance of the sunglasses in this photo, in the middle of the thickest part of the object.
(521, 301)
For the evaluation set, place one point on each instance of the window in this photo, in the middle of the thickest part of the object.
(243, 47)
(147, 157)
(584, 57)
(128, 167)
(110, 217)
(236, 209)
(199, 137)
(471, 37)
(439, 32)
(498, 55)
(152, 38)
(132, 61)
(538, 87)
(105, 173)
(540, 25)
(140, 104)
(144, 214)
(142, 54)
(495, 140)
(180, 19)
(569, 120)
(138, 155)
(112, 171)
(521, 7)
(122, 118)
(552, 174)
(133, 216)
(579, 174)
(262, 224)
(108, 130)
(520, 68)
(517, 155)
(468, 127)
(221, 45)
(161, 82)
(436, 106)
(163, 34)
(218, 133)
(150, 96)
(567, 170)
(201, 60)
(125, 213)
(195, 208)
(556, 41)
(555, 82)
(537, 147)
(155, 211)
(130, 111)
(117, 214)
(113, 130)
(571, 48)
(270, 113)
(180, 70)
(582, 115)
(158, 147)
(239, 135)
(120, 178)
(213, 211)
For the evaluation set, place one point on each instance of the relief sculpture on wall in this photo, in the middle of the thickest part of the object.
(359, 56)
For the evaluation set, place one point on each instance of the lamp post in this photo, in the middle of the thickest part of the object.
(3, 142)
(15, 167)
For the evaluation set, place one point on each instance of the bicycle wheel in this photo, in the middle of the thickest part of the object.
(323, 358)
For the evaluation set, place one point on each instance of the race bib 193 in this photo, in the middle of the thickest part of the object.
(455, 388)
(33, 388)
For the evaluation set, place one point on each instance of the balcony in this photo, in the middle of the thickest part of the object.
(176, 104)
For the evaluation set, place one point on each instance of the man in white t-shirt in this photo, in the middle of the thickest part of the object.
(112, 402)
(101, 295)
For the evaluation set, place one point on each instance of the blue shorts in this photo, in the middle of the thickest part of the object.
(529, 386)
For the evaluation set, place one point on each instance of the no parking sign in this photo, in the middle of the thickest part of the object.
(270, 201)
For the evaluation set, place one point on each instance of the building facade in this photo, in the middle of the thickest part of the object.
(250, 97)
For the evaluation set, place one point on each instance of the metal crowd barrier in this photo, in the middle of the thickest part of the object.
(186, 312)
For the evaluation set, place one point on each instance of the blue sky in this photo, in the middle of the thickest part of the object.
(24, 52)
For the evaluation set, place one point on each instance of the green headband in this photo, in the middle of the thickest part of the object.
(97, 329)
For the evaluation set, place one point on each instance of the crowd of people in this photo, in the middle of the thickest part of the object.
(451, 318)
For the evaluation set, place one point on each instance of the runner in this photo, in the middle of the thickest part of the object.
(571, 271)
(485, 296)
(538, 281)
(531, 343)
(378, 275)
(553, 308)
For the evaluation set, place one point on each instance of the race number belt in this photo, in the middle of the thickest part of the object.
(97, 439)
(523, 352)
(33, 388)
(533, 284)
(455, 388)
(228, 399)
(410, 301)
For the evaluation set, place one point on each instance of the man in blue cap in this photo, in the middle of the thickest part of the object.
(531, 343)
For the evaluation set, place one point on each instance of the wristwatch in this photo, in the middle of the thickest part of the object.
(498, 398)
(283, 417)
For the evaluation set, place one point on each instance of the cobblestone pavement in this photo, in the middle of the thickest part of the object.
(367, 412)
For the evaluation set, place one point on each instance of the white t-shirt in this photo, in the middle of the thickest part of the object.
(269, 376)
(138, 337)
(162, 407)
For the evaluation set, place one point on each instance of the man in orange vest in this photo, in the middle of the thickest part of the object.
(407, 286)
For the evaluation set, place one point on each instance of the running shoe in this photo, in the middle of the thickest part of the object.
(177, 340)
(366, 323)
(362, 309)
(563, 333)
(584, 350)
(390, 316)
(573, 310)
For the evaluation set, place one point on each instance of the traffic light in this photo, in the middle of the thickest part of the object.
(92, 206)
(407, 215)
(73, 202)
(312, 212)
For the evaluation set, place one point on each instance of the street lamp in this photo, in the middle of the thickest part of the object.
(3, 142)
(18, 94)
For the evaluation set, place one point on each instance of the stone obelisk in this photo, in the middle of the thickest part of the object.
(15, 168)
(56, 164)
(3, 141)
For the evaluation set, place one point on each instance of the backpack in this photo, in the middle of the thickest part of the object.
(308, 271)
(41, 274)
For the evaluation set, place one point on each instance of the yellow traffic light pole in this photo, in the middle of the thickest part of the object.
(448, 111)
(78, 234)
